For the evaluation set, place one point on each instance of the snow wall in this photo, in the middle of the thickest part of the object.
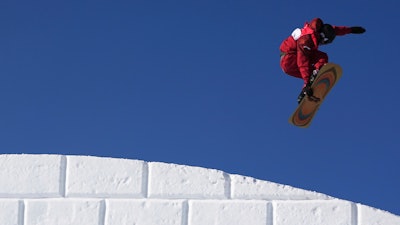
(83, 190)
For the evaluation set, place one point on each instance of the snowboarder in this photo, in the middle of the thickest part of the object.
(300, 56)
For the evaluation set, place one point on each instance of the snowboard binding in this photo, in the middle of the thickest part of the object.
(308, 91)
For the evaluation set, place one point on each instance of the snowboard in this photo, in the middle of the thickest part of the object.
(326, 78)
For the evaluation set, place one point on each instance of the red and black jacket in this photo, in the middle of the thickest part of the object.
(304, 43)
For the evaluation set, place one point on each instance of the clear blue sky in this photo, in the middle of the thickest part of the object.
(199, 83)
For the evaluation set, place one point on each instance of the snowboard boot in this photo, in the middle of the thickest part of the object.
(305, 91)
(313, 76)
(300, 97)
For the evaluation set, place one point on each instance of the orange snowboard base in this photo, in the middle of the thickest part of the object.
(326, 78)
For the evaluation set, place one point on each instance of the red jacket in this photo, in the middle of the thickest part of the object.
(304, 43)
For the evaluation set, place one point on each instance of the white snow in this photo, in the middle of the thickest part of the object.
(84, 190)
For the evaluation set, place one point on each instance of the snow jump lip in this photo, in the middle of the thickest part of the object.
(68, 189)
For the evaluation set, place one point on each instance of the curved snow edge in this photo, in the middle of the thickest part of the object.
(45, 188)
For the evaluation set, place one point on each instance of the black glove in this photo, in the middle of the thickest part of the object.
(357, 30)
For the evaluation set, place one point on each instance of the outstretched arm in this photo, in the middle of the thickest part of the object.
(343, 30)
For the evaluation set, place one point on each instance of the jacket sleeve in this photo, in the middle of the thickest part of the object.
(305, 48)
(342, 30)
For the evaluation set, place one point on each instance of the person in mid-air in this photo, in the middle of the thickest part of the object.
(300, 56)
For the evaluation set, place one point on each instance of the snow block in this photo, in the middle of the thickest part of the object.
(101, 177)
(63, 212)
(10, 212)
(176, 181)
(250, 188)
(228, 212)
(31, 175)
(372, 216)
(330, 212)
(150, 212)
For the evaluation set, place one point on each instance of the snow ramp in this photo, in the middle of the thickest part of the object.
(85, 190)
